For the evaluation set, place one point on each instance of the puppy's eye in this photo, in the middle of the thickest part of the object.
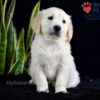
(50, 18)
(64, 21)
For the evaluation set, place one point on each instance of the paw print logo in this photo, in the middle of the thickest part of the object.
(87, 7)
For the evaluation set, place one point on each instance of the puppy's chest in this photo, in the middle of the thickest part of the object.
(50, 59)
(50, 55)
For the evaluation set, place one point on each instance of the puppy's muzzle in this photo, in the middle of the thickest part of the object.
(57, 30)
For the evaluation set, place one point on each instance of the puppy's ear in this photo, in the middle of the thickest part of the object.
(70, 31)
(36, 23)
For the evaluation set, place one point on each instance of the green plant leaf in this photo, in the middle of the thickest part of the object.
(30, 33)
(11, 46)
(20, 50)
(3, 44)
(4, 10)
(18, 67)
(1, 11)
(3, 40)
(10, 13)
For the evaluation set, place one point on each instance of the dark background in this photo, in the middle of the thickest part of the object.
(86, 39)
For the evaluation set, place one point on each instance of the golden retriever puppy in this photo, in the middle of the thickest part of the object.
(51, 59)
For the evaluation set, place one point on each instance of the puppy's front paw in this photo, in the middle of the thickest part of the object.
(60, 89)
(42, 89)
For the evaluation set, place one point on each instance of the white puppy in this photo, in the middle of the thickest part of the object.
(51, 59)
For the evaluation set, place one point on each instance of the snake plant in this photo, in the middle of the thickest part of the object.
(13, 51)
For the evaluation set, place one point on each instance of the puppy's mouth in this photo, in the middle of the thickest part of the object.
(54, 34)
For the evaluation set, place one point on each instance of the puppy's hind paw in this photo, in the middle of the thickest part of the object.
(30, 81)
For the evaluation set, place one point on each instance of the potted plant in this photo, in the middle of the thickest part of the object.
(14, 52)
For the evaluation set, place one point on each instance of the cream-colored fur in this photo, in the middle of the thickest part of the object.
(51, 59)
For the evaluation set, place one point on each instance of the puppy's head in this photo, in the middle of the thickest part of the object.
(53, 23)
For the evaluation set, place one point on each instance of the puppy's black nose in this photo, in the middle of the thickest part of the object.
(57, 28)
